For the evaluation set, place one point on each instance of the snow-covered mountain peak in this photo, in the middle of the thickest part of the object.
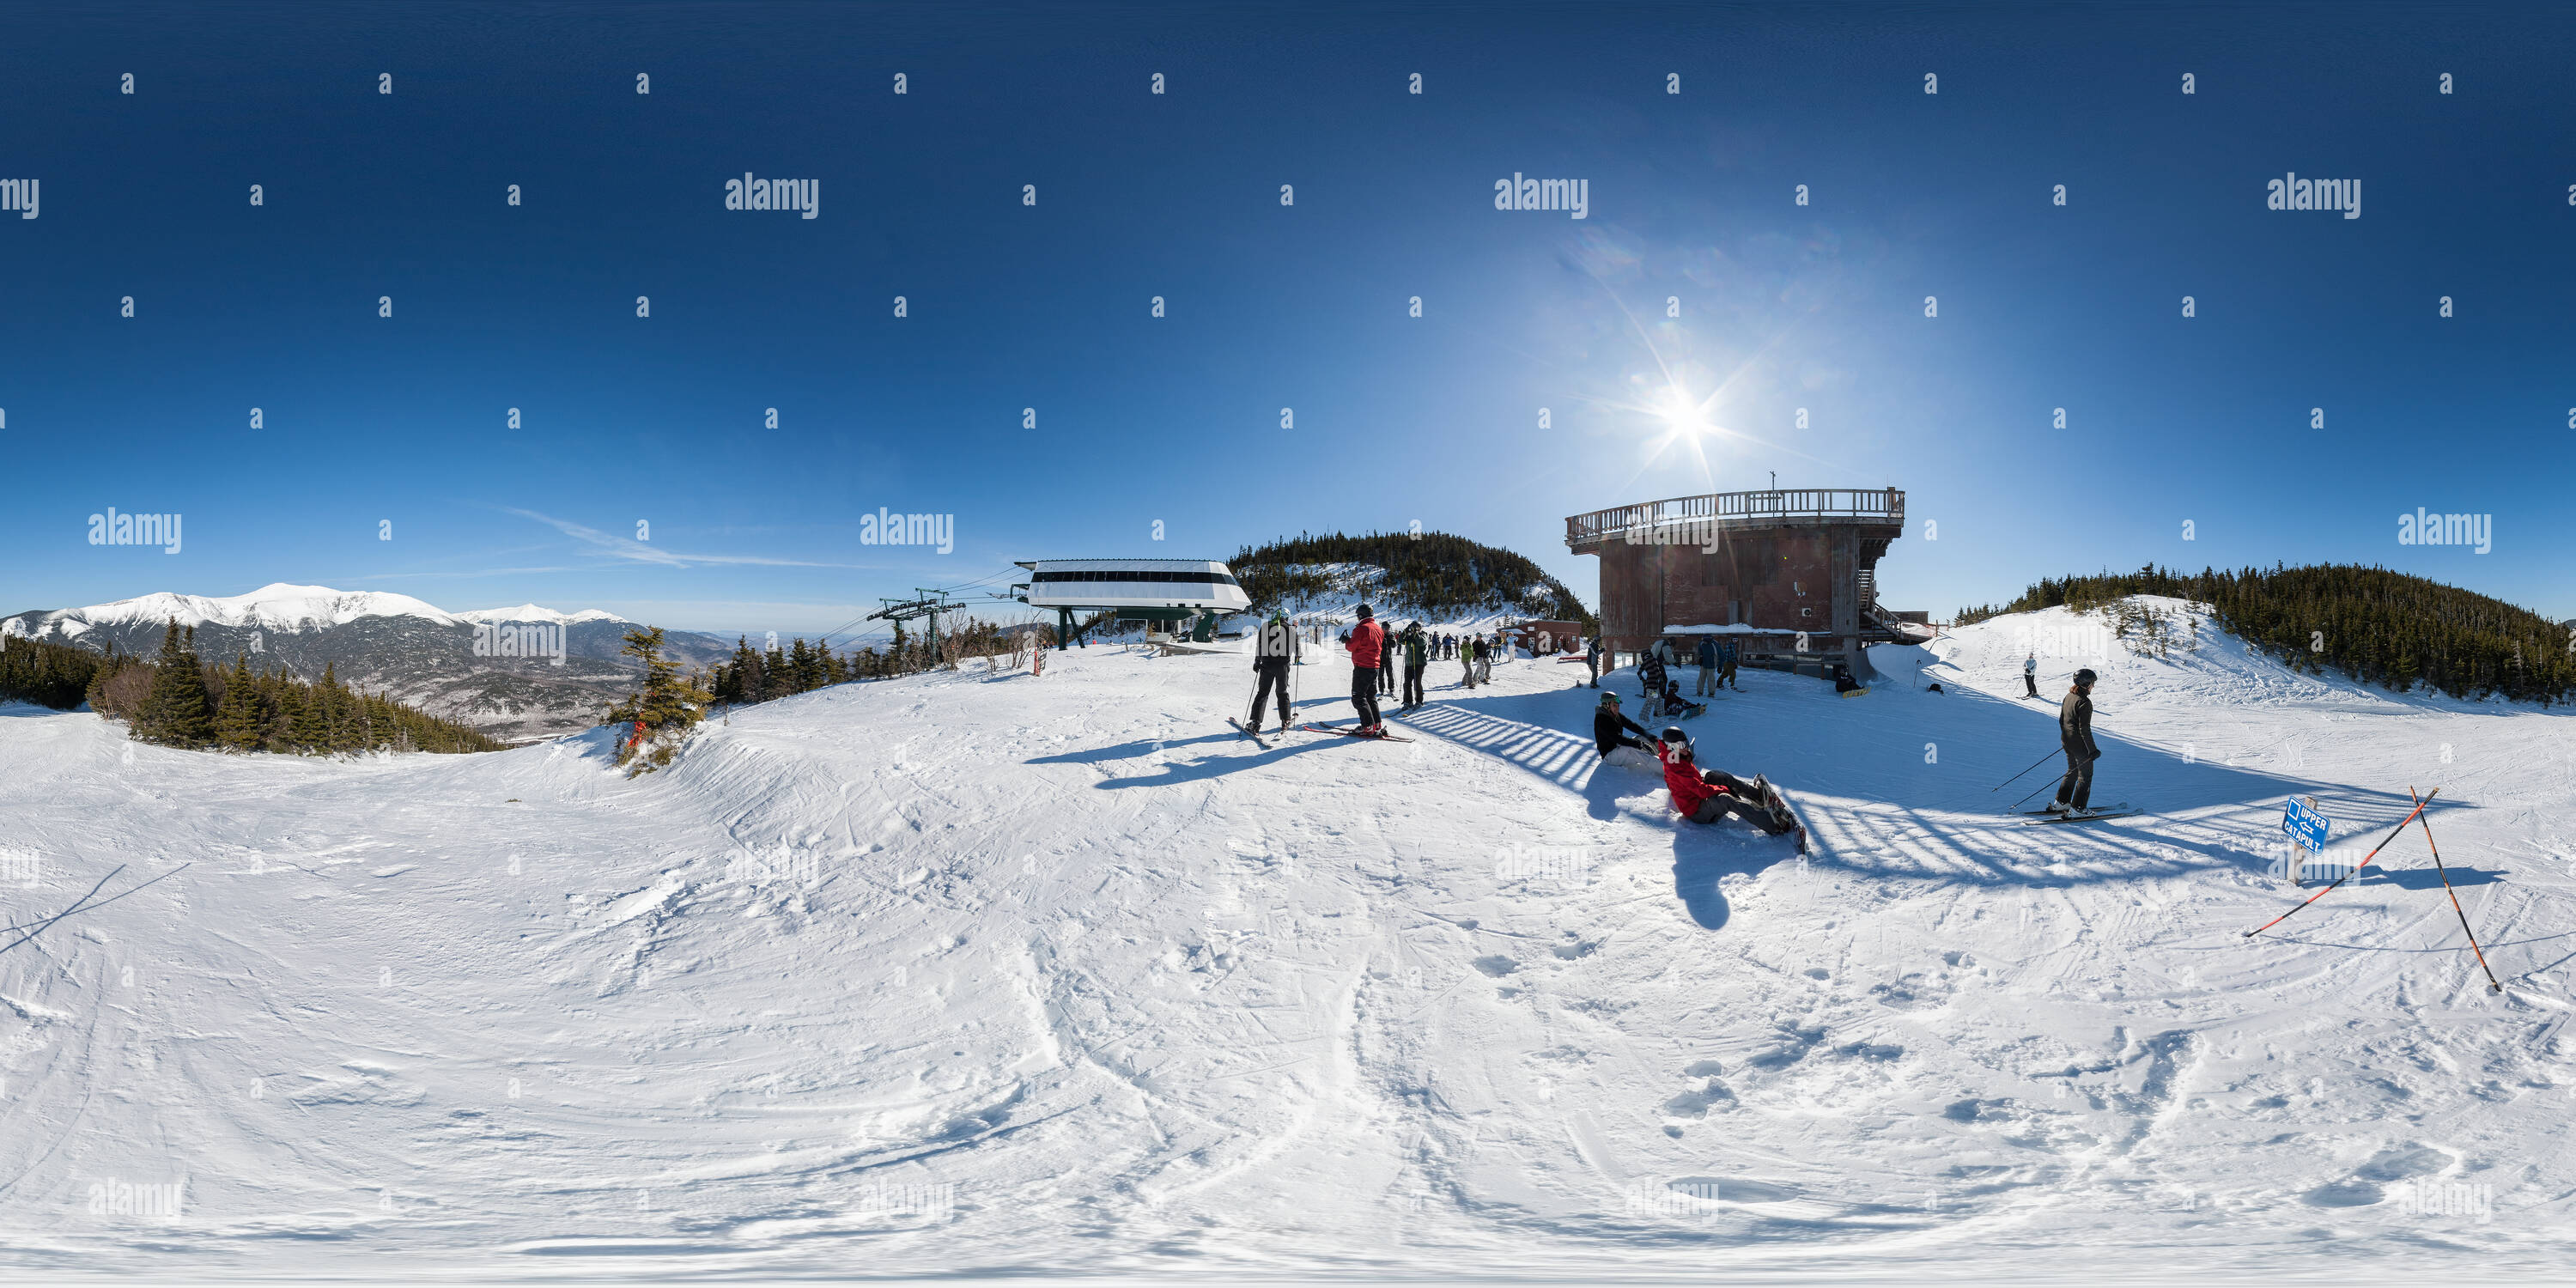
(279, 606)
(536, 613)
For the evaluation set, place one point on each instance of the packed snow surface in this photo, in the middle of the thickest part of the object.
(995, 973)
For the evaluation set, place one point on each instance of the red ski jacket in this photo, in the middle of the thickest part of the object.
(1683, 780)
(1368, 642)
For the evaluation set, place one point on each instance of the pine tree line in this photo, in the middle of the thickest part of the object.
(1437, 572)
(48, 675)
(753, 676)
(178, 700)
(2378, 626)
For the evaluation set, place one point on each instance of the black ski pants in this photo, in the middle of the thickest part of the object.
(1271, 676)
(1413, 683)
(2077, 787)
(1364, 694)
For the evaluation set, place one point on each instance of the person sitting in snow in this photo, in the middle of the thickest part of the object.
(1706, 796)
(1610, 734)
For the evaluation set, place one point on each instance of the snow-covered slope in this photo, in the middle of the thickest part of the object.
(1010, 973)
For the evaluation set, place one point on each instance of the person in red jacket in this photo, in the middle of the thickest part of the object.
(1706, 796)
(1367, 642)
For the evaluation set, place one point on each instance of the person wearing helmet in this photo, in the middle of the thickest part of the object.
(1611, 729)
(1273, 651)
(1706, 796)
(2075, 735)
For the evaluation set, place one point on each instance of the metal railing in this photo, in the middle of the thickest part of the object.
(1886, 504)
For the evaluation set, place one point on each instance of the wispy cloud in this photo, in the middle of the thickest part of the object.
(476, 572)
(633, 551)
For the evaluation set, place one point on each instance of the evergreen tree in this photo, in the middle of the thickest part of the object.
(177, 712)
(241, 718)
(664, 703)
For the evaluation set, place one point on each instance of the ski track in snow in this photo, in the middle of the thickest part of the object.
(1004, 973)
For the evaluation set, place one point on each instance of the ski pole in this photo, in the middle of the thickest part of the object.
(2356, 868)
(2009, 781)
(2492, 985)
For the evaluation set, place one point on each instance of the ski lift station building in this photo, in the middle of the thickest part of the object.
(1773, 569)
(1150, 590)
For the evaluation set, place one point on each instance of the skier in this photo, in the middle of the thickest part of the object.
(1650, 672)
(1485, 652)
(1705, 796)
(1467, 661)
(1386, 670)
(1707, 666)
(1592, 659)
(1610, 730)
(2030, 675)
(1416, 656)
(1367, 642)
(1726, 666)
(1273, 651)
(2075, 735)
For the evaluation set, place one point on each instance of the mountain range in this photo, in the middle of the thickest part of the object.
(404, 648)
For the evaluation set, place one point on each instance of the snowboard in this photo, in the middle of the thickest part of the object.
(1771, 797)
(1256, 738)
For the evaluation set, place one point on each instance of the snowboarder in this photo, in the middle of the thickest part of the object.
(1273, 651)
(1705, 796)
(1386, 669)
(1726, 666)
(2075, 735)
(2030, 675)
(1367, 643)
(1467, 661)
(1844, 684)
(1707, 666)
(1485, 651)
(1610, 734)
(1416, 657)
(1592, 659)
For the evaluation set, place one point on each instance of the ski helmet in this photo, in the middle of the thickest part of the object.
(1609, 699)
(1366, 612)
(2084, 678)
(1674, 735)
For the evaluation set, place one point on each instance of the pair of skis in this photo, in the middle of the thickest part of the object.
(2043, 818)
(1316, 728)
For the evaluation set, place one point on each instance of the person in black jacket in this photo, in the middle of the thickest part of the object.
(1274, 650)
(1612, 730)
(2075, 736)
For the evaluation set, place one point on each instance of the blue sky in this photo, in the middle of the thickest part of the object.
(370, 420)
